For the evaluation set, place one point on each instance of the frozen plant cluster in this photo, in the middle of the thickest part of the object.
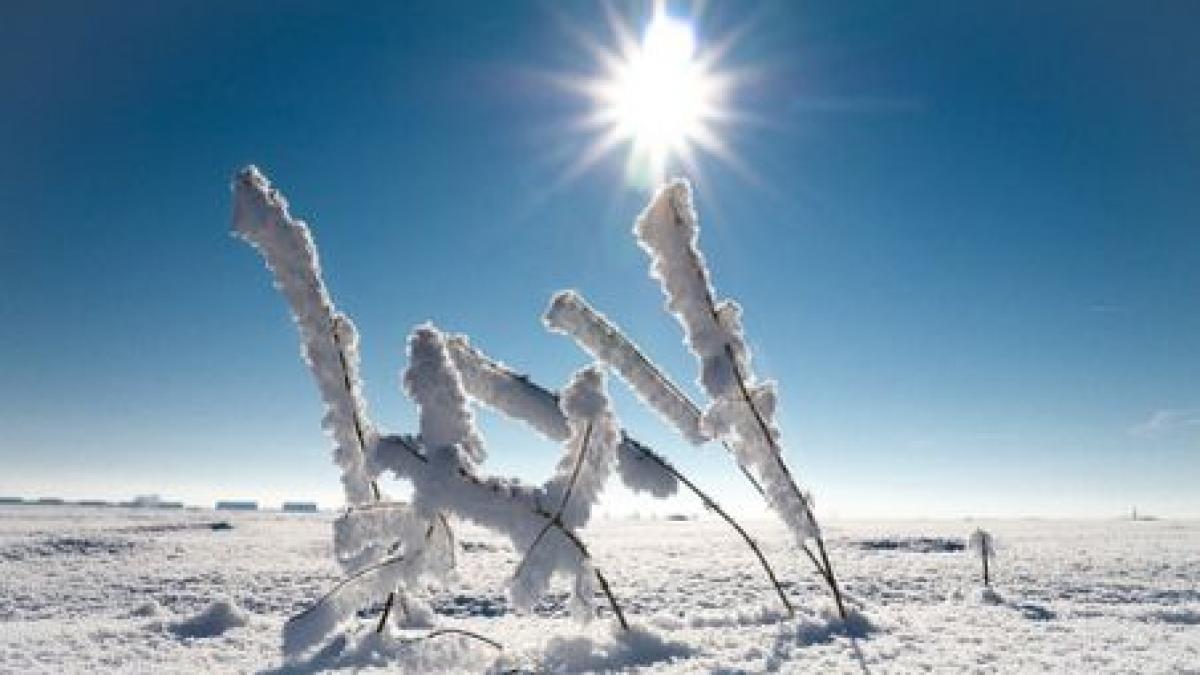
(388, 548)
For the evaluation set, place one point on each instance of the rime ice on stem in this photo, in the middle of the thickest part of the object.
(641, 469)
(492, 384)
(445, 477)
(741, 410)
(328, 338)
(570, 314)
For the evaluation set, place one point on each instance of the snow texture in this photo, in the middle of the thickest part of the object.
(1095, 596)
(329, 340)
(571, 315)
(212, 621)
(365, 535)
(741, 411)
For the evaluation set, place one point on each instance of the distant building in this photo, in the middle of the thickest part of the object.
(11, 500)
(152, 502)
(50, 501)
(299, 507)
(236, 506)
(92, 502)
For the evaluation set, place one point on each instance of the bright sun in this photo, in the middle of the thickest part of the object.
(658, 96)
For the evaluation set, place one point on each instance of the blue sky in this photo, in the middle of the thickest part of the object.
(968, 249)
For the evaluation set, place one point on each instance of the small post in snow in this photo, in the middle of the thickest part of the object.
(982, 541)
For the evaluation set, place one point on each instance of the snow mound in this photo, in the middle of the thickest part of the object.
(146, 610)
(446, 653)
(635, 647)
(214, 620)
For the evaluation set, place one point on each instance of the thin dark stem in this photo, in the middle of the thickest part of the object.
(670, 385)
(391, 599)
(358, 430)
(562, 507)
(345, 582)
(825, 569)
(536, 540)
(713, 506)
(453, 547)
(387, 611)
(829, 577)
(583, 446)
(776, 452)
(612, 600)
(456, 631)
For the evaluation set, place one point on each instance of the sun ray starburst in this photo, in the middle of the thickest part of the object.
(660, 95)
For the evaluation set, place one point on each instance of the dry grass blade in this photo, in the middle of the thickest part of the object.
(711, 504)
(439, 632)
(562, 506)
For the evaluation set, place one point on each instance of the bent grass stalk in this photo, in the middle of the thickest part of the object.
(552, 520)
(711, 504)
(824, 567)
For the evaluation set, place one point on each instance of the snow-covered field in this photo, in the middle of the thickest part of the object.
(162, 591)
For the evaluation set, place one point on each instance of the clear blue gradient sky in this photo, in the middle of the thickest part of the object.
(969, 253)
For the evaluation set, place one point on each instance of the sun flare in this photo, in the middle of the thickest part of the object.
(658, 96)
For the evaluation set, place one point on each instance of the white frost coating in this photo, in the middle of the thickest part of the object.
(498, 387)
(667, 229)
(593, 441)
(330, 342)
(640, 473)
(365, 536)
(981, 540)
(442, 468)
(432, 381)
(305, 631)
(578, 480)
(571, 315)
(447, 482)
(389, 546)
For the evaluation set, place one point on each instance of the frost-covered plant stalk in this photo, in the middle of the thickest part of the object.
(741, 410)
(983, 542)
(642, 469)
(328, 338)
(385, 545)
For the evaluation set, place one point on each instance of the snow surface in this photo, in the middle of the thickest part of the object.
(140, 590)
